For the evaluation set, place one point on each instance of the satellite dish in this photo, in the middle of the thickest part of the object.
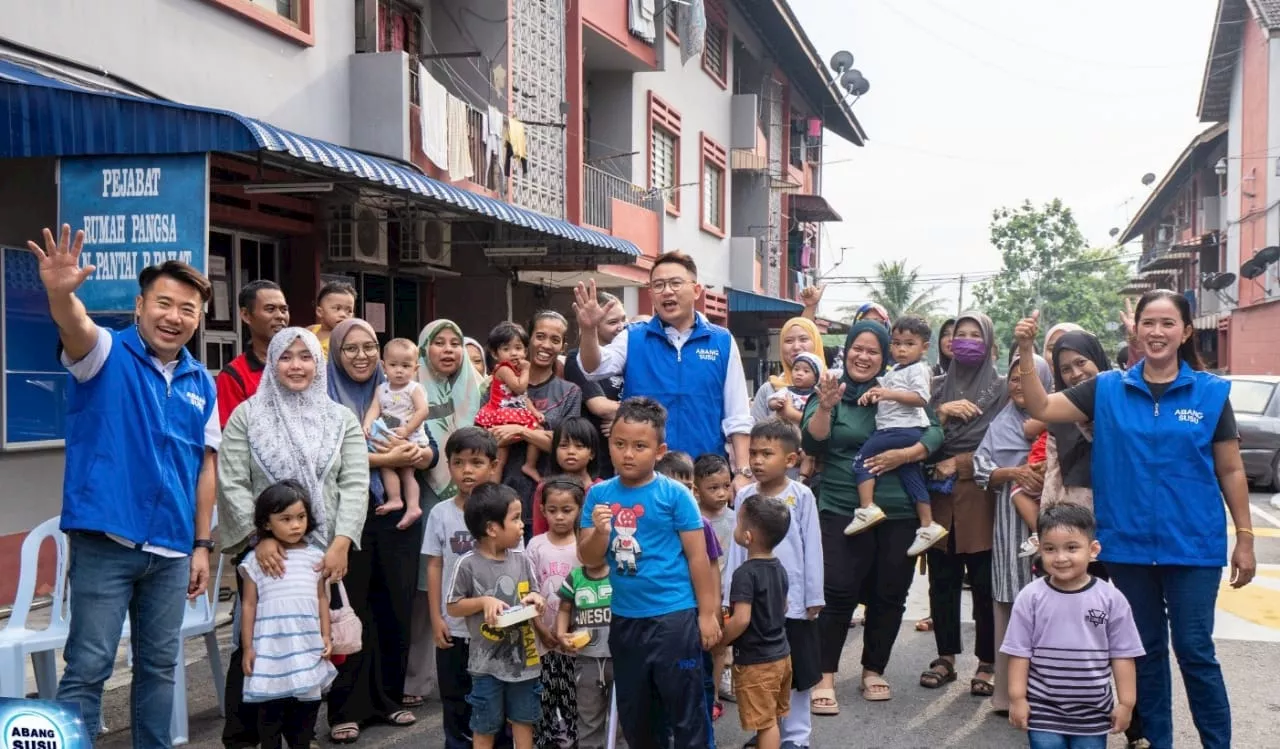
(1148, 178)
(841, 62)
(1114, 231)
(1218, 281)
(854, 83)
(1252, 268)
(1268, 255)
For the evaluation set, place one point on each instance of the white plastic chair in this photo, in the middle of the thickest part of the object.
(199, 620)
(16, 640)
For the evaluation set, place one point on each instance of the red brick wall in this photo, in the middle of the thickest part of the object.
(1254, 330)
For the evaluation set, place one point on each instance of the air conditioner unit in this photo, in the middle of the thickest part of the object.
(357, 234)
(1165, 234)
(426, 242)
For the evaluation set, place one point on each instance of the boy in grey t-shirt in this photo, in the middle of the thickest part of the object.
(900, 398)
(504, 664)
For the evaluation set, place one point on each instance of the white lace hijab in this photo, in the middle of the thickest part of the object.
(296, 435)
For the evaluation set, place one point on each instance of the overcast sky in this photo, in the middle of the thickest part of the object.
(976, 104)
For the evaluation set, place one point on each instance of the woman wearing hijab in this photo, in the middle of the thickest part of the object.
(798, 335)
(966, 400)
(475, 352)
(872, 311)
(1077, 357)
(873, 566)
(1000, 463)
(289, 429)
(944, 347)
(451, 382)
(1055, 334)
(383, 573)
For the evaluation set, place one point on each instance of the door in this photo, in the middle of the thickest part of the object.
(235, 259)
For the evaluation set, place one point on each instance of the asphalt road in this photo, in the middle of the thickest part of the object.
(1247, 632)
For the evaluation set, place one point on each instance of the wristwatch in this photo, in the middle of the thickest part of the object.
(744, 472)
(203, 543)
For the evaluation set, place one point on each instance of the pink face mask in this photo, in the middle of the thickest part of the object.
(968, 351)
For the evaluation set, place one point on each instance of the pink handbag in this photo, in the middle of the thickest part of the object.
(345, 629)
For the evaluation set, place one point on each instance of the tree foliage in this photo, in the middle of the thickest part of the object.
(1048, 265)
(899, 291)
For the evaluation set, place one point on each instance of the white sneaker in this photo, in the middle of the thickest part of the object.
(926, 538)
(864, 518)
(726, 687)
(1030, 547)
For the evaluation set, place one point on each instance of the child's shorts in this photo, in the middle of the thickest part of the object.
(764, 693)
(494, 702)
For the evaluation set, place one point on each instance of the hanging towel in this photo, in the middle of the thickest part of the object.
(493, 133)
(435, 110)
(691, 25)
(460, 166)
(640, 19)
(516, 137)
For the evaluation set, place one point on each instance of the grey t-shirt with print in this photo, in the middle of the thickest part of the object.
(447, 537)
(509, 654)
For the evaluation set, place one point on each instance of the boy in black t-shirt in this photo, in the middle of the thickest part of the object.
(757, 626)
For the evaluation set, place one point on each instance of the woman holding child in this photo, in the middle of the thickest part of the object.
(383, 572)
(799, 335)
(289, 429)
(452, 385)
(872, 566)
(1165, 427)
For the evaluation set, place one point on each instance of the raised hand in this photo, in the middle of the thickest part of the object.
(586, 304)
(811, 295)
(830, 391)
(1027, 329)
(1126, 318)
(60, 270)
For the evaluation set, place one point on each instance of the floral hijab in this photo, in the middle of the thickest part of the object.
(810, 329)
(454, 400)
(296, 435)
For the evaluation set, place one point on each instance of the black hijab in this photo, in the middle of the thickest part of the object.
(944, 361)
(980, 384)
(1075, 451)
(854, 390)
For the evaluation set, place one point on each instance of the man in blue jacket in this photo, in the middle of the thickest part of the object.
(138, 490)
(678, 358)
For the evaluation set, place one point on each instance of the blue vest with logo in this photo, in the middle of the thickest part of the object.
(135, 445)
(1155, 490)
(688, 382)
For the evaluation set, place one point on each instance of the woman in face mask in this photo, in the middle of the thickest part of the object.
(965, 400)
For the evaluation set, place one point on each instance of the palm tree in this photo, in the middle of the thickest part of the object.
(898, 290)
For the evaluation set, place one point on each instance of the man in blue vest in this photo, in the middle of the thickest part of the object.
(138, 489)
(679, 359)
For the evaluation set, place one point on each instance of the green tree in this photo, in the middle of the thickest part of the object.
(899, 291)
(1048, 265)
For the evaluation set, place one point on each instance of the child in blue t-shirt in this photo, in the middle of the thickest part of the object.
(665, 603)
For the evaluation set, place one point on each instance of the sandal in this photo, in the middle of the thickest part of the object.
(344, 733)
(401, 718)
(933, 678)
(925, 624)
(823, 695)
(980, 687)
(875, 688)
(412, 700)
(717, 710)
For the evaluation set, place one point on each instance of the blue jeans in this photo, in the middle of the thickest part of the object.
(1046, 740)
(910, 474)
(107, 579)
(1180, 600)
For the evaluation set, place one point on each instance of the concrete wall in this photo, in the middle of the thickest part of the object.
(1254, 162)
(616, 126)
(469, 26)
(1231, 201)
(198, 53)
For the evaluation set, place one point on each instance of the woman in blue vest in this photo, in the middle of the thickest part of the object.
(1166, 453)
(383, 571)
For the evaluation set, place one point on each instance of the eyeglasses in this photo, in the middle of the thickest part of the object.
(662, 284)
(355, 349)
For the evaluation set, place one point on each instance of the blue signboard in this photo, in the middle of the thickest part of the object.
(42, 724)
(35, 382)
(135, 211)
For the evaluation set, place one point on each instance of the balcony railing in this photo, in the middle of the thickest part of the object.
(600, 189)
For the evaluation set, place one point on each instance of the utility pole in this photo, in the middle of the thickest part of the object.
(960, 310)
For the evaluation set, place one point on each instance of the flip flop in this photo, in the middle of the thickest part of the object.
(401, 718)
(344, 733)
(411, 700)
(869, 682)
(823, 694)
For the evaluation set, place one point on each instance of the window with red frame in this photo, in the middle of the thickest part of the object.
(294, 19)
(713, 185)
(715, 53)
(664, 151)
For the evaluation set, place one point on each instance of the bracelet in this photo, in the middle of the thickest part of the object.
(1248, 531)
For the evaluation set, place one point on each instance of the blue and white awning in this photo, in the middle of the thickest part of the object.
(45, 116)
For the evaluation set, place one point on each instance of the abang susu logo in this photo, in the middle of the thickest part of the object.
(32, 731)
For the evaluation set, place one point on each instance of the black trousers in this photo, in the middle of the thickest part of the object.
(291, 721)
(946, 584)
(381, 579)
(871, 568)
(240, 731)
(657, 677)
